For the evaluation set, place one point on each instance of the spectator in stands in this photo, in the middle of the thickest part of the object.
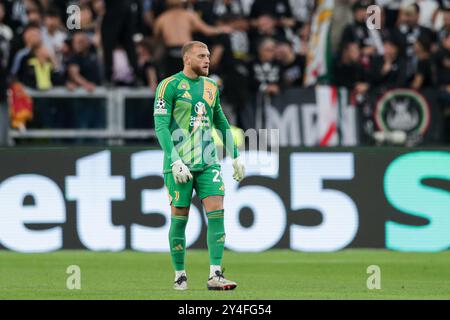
(87, 22)
(205, 11)
(4, 114)
(152, 10)
(83, 70)
(302, 11)
(117, 29)
(32, 38)
(148, 18)
(19, 13)
(98, 8)
(348, 72)
(280, 9)
(148, 70)
(83, 67)
(16, 17)
(301, 45)
(389, 70)
(223, 8)
(369, 40)
(93, 19)
(203, 8)
(409, 28)
(264, 70)
(425, 75)
(66, 54)
(175, 27)
(442, 62)
(123, 74)
(265, 26)
(37, 70)
(34, 15)
(229, 58)
(391, 9)
(61, 6)
(231, 52)
(264, 82)
(6, 36)
(445, 29)
(292, 65)
(429, 9)
(53, 36)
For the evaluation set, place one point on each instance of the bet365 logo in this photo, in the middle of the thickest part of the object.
(410, 187)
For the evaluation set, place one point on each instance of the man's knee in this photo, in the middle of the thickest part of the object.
(180, 211)
(213, 203)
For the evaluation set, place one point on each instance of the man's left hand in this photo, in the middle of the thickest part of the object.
(239, 169)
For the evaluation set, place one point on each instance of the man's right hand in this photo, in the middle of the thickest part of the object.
(272, 89)
(89, 86)
(180, 171)
(224, 29)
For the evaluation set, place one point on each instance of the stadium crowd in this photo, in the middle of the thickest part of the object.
(256, 45)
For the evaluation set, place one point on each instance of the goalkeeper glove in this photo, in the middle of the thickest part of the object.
(181, 172)
(239, 169)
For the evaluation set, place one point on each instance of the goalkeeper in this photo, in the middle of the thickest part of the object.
(187, 106)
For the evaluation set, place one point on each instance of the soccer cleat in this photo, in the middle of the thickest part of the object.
(180, 283)
(218, 282)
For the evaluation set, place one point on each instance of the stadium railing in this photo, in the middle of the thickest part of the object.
(115, 130)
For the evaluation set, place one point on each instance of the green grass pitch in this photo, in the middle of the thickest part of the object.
(275, 274)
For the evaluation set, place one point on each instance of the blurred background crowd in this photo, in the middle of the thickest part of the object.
(256, 45)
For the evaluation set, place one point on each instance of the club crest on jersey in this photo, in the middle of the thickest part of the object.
(209, 93)
(184, 85)
(160, 107)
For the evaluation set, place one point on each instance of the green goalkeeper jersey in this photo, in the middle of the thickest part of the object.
(185, 112)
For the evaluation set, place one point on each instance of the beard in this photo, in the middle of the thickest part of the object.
(200, 71)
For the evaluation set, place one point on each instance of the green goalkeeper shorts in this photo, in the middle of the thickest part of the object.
(206, 183)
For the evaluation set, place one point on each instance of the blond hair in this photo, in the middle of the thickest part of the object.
(189, 45)
(174, 3)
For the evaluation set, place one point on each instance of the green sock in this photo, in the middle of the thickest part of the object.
(177, 241)
(216, 236)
